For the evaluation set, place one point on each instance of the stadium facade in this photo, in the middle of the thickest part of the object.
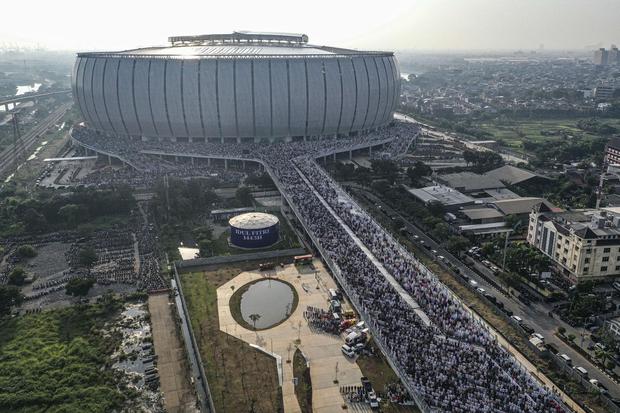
(235, 88)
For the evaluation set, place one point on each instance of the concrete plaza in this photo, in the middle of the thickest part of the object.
(321, 350)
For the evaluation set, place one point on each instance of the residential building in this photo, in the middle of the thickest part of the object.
(613, 57)
(585, 245)
(603, 92)
(612, 152)
(600, 57)
(613, 326)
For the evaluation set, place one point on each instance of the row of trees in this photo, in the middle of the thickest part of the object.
(48, 211)
(482, 161)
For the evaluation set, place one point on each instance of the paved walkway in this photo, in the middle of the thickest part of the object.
(171, 364)
(322, 350)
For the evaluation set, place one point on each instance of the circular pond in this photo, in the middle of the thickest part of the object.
(263, 304)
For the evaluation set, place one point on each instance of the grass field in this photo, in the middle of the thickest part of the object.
(58, 361)
(241, 378)
(303, 390)
(514, 132)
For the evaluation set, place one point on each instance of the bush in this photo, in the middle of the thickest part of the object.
(17, 276)
(79, 287)
(561, 330)
(26, 251)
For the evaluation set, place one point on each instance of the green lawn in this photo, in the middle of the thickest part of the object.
(514, 132)
(58, 361)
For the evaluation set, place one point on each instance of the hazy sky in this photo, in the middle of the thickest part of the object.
(385, 24)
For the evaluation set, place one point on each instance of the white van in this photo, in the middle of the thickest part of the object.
(581, 371)
(352, 337)
(566, 359)
(333, 295)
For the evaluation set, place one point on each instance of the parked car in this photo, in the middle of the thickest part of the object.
(347, 351)
(527, 328)
(474, 283)
(566, 359)
(517, 319)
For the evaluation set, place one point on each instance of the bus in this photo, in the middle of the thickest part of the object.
(303, 259)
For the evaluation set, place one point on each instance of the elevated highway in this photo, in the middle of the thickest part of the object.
(4, 103)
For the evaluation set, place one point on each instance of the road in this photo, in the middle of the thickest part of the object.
(535, 314)
(7, 157)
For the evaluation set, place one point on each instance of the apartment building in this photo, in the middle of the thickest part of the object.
(585, 245)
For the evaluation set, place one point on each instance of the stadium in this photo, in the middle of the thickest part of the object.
(184, 109)
(233, 88)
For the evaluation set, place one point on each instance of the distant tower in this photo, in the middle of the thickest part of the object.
(613, 57)
(600, 56)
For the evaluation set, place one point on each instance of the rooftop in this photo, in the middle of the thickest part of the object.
(482, 213)
(442, 194)
(253, 220)
(235, 44)
(513, 175)
(519, 205)
(470, 182)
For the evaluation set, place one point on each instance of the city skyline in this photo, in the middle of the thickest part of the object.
(441, 25)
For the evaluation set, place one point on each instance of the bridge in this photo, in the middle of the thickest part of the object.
(25, 98)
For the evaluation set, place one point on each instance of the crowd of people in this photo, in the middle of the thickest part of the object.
(452, 363)
(321, 320)
(128, 256)
(108, 177)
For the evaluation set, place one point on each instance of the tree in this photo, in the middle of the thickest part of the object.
(385, 168)
(603, 355)
(561, 330)
(363, 176)
(26, 251)
(79, 287)
(17, 276)
(35, 222)
(9, 297)
(417, 171)
(73, 214)
(457, 243)
(254, 318)
(244, 196)
(435, 208)
(441, 231)
(87, 257)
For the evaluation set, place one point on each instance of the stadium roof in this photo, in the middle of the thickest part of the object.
(237, 44)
